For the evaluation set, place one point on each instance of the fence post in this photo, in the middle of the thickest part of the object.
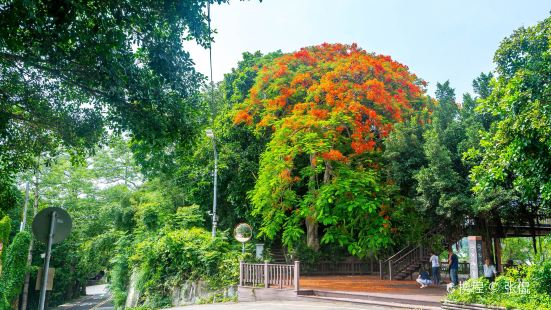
(297, 275)
(370, 265)
(266, 283)
(240, 273)
(381, 269)
(390, 269)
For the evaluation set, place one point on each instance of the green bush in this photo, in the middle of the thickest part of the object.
(526, 287)
(174, 257)
(5, 229)
(120, 272)
(14, 269)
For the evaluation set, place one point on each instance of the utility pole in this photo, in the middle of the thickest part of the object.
(30, 254)
(24, 217)
(210, 134)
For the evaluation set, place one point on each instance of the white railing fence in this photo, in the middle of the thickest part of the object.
(269, 275)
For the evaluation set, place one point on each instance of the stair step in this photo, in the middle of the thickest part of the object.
(373, 299)
(373, 302)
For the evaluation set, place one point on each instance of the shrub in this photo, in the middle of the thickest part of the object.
(169, 260)
(5, 228)
(120, 272)
(14, 269)
(526, 287)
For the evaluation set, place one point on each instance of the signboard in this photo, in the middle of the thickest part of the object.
(51, 226)
(49, 284)
(41, 225)
(475, 256)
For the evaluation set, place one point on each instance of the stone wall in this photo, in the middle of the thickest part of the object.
(191, 292)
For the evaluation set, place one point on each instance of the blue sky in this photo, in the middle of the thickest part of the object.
(437, 39)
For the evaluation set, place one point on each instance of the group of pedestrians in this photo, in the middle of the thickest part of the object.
(434, 260)
(425, 280)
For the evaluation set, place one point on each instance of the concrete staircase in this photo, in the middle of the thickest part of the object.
(278, 255)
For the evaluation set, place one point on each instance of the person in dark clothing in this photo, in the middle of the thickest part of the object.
(454, 266)
(424, 278)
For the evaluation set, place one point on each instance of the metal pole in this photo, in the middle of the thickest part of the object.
(214, 219)
(24, 220)
(243, 248)
(47, 262)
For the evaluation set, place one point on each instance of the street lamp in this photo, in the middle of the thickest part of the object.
(210, 134)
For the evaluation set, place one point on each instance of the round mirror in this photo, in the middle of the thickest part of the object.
(243, 232)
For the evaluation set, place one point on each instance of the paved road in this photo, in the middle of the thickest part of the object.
(97, 298)
(283, 305)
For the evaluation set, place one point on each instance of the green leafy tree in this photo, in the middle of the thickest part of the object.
(239, 149)
(516, 151)
(70, 69)
(327, 109)
(512, 172)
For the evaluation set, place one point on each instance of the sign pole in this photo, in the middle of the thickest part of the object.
(47, 261)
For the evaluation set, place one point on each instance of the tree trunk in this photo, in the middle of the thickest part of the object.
(497, 247)
(312, 238)
(487, 248)
(533, 235)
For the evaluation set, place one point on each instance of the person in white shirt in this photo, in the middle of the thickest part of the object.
(489, 270)
(435, 264)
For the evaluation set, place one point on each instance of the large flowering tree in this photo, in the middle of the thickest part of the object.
(327, 109)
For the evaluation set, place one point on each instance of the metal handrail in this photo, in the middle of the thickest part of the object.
(399, 263)
(393, 262)
(403, 249)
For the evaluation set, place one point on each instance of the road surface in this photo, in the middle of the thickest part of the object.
(283, 305)
(97, 298)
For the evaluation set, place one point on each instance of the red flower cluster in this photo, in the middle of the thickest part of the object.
(340, 92)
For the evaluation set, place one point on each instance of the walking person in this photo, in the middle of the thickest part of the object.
(454, 266)
(435, 264)
(489, 270)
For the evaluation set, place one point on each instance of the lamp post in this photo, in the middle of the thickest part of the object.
(210, 134)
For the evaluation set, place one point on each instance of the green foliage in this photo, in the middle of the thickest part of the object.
(443, 191)
(506, 291)
(517, 249)
(174, 257)
(425, 163)
(67, 71)
(101, 215)
(187, 217)
(5, 229)
(239, 149)
(14, 269)
(8, 192)
(350, 207)
(516, 150)
(120, 271)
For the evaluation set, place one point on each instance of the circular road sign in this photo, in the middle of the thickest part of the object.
(41, 225)
(243, 232)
